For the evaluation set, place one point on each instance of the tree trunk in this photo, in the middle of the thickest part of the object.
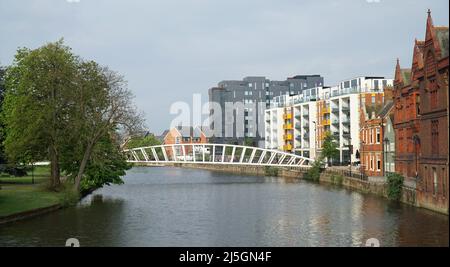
(84, 161)
(54, 169)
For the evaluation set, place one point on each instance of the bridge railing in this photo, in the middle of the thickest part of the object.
(214, 154)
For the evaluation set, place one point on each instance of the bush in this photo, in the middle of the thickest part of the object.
(395, 185)
(337, 179)
(313, 174)
(69, 197)
(271, 171)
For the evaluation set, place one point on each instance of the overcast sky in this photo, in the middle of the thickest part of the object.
(168, 50)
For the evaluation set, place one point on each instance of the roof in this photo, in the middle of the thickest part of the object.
(189, 131)
(386, 108)
(442, 36)
(406, 75)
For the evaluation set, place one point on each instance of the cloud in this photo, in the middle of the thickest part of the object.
(171, 49)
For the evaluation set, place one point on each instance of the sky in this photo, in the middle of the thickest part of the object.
(169, 50)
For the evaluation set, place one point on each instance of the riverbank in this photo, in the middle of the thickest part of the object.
(408, 195)
(20, 198)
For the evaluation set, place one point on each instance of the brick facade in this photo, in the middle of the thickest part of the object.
(432, 79)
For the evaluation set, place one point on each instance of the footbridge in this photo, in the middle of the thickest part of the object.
(214, 154)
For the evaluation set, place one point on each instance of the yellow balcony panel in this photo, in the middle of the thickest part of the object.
(287, 116)
(326, 122)
(287, 147)
(288, 137)
(288, 127)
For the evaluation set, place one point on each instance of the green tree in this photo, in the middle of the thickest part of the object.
(37, 104)
(106, 166)
(103, 106)
(395, 186)
(2, 91)
(248, 141)
(329, 148)
(145, 141)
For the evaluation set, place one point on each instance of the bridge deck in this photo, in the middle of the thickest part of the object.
(215, 154)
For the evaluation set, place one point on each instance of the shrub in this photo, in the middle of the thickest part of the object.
(313, 174)
(395, 185)
(337, 179)
(271, 171)
(68, 196)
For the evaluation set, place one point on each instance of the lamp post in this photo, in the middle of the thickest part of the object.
(350, 151)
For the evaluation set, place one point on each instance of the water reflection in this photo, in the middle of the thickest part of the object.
(180, 207)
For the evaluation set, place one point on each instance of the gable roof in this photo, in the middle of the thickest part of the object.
(386, 109)
(442, 38)
(189, 131)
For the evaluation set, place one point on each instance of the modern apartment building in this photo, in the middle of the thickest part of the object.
(237, 107)
(296, 117)
(308, 116)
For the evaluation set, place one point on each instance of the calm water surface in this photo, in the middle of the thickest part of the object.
(183, 207)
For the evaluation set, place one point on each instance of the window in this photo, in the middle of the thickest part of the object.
(435, 137)
(371, 136)
(373, 99)
(378, 136)
(433, 94)
(444, 183)
(378, 164)
(435, 182)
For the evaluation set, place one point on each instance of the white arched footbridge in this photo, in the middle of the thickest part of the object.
(215, 154)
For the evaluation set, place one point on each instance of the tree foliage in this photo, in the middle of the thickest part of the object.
(60, 107)
(148, 140)
(329, 148)
(37, 104)
(2, 90)
(395, 185)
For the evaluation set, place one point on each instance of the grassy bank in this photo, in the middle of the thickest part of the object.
(18, 194)
(41, 175)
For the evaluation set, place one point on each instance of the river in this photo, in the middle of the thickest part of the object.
(188, 207)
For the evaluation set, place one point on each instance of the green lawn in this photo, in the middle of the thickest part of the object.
(41, 174)
(20, 198)
(17, 194)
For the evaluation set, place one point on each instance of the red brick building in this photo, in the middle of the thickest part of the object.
(431, 76)
(184, 135)
(374, 118)
(407, 120)
(372, 147)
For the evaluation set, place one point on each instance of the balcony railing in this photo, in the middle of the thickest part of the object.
(288, 137)
(287, 116)
(287, 127)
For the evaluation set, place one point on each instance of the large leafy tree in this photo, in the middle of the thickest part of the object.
(142, 141)
(38, 104)
(103, 105)
(329, 148)
(2, 90)
(60, 107)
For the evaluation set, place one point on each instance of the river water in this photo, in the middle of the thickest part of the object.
(187, 207)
